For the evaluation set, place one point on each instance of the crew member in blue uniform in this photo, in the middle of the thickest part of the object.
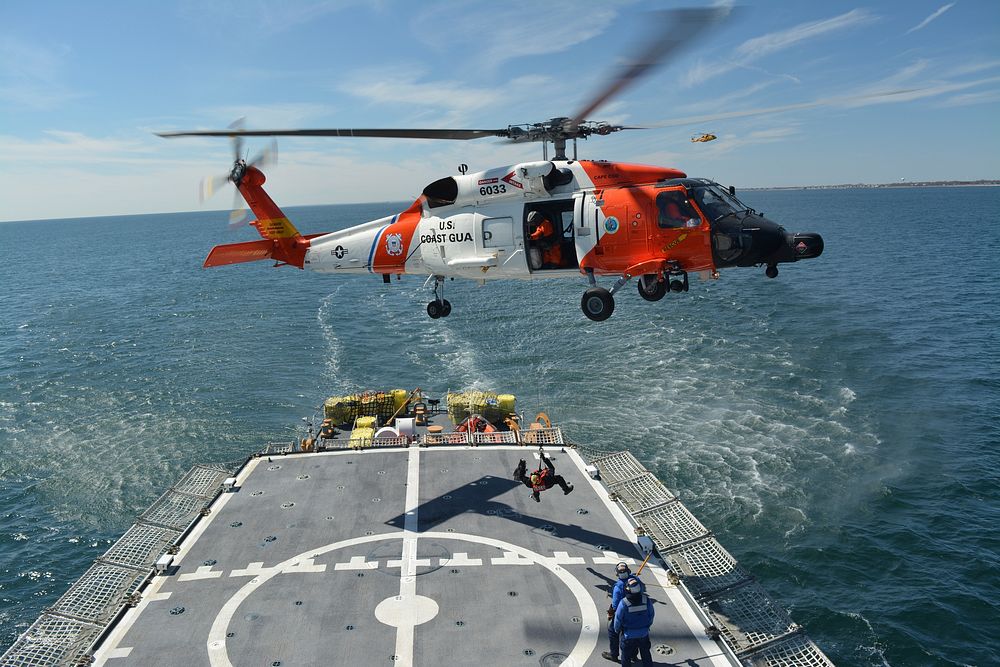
(617, 593)
(633, 617)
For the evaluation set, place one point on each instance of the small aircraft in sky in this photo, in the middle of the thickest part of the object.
(704, 137)
(550, 218)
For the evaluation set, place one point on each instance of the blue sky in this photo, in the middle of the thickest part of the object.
(84, 85)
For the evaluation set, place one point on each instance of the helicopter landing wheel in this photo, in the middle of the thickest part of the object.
(657, 289)
(438, 309)
(771, 271)
(597, 304)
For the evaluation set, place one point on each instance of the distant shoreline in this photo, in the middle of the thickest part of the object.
(905, 184)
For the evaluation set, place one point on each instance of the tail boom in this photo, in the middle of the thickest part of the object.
(280, 240)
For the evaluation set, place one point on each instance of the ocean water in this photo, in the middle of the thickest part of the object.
(836, 427)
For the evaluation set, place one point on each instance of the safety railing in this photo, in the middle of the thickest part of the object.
(66, 632)
(755, 628)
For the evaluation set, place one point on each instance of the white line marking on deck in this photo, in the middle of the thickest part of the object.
(420, 609)
(590, 625)
(460, 558)
(203, 572)
(511, 558)
(612, 558)
(356, 563)
(122, 652)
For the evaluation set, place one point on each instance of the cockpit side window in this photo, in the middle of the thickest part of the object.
(675, 210)
(716, 202)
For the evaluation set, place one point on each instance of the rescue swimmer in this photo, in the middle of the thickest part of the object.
(542, 479)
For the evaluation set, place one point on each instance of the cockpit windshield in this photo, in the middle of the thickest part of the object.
(715, 202)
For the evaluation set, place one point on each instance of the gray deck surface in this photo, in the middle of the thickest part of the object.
(499, 579)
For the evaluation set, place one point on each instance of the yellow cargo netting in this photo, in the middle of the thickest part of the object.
(494, 407)
(345, 409)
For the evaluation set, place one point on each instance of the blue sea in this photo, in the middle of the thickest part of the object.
(838, 427)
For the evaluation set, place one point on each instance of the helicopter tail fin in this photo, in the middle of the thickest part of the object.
(271, 222)
(280, 240)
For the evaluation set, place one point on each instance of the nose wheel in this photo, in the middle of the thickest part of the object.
(440, 306)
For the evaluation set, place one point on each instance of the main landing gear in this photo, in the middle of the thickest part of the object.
(440, 306)
(598, 303)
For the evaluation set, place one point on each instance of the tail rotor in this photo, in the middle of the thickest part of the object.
(240, 214)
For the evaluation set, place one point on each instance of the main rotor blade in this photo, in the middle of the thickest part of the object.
(349, 132)
(673, 29)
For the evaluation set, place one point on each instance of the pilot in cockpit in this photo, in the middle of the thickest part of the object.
(676, 211)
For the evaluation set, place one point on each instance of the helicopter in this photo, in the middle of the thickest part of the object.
(703, 138)
(551, 218)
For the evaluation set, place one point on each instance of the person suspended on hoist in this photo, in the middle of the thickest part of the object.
(541, 479)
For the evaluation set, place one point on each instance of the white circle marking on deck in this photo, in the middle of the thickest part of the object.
(218, 655)
(400, 610)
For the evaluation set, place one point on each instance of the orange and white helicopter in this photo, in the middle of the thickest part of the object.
(551, 218)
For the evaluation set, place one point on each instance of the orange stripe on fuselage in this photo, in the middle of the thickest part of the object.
(606, 174)
(394, 245)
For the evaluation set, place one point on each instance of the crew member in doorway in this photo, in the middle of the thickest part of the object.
(541, 480)
(545, 238)
(624, 573)
(633, 617)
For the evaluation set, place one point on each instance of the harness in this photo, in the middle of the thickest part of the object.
(634, 608)
(542, 476)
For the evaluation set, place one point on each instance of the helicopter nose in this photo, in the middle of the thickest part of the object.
(805, 246)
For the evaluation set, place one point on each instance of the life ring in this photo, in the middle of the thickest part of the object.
(543, 418)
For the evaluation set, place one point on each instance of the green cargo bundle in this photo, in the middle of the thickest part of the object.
(493, 407)
(381, 404)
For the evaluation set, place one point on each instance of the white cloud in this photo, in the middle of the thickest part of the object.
(551, 27)
(758, 47)
(61, 147)
(937, 13)
(969, 99)
(765, 45)
(270, 116)
(444, 102)
(30, 75)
